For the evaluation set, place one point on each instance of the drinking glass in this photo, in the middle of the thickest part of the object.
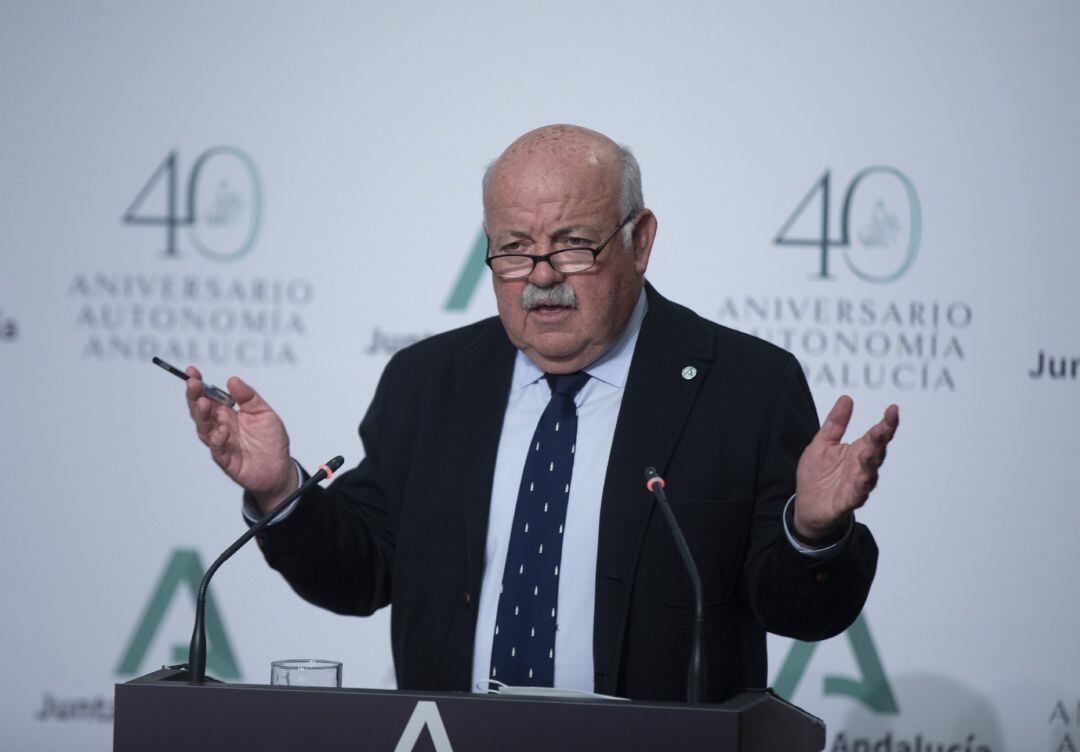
(306, 672)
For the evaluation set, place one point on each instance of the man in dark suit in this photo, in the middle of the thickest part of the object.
(429, 520)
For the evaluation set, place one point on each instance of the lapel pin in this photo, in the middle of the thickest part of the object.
(689, 372)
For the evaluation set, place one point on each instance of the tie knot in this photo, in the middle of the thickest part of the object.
(566, 384)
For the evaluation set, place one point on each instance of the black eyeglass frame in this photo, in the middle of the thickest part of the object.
(548, 256)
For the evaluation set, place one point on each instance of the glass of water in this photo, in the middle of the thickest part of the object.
(306, 672)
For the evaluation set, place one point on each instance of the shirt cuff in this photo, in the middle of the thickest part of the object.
(251, 510)
(825, 552)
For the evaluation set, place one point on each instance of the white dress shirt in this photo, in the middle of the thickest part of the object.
(598, 409)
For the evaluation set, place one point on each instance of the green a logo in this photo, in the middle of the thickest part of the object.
(871, 689)
(183, 568)
(469, 276)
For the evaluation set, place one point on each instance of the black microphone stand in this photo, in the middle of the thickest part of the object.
(695, 675)
(197, 651)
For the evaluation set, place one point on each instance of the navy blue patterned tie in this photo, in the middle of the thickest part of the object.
(523, 650)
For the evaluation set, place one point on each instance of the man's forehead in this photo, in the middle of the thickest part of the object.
(548, 219)
(548, 197)
(540, 186)
(549, 171)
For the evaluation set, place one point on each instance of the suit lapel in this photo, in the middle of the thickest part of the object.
(483, 374)
(654, 409)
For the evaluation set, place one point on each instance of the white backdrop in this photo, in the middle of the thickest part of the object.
(321, 142)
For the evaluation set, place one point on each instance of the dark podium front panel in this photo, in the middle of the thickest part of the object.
(154, 714)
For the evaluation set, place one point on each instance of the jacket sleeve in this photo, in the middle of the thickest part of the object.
(337, 546)
(789, 593)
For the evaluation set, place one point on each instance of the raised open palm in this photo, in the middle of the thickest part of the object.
(834, 479)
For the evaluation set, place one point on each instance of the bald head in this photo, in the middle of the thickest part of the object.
(536, 159)
(560, 139)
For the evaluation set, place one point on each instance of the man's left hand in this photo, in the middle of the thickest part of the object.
(835, 479)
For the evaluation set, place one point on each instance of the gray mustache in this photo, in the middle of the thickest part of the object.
(561, 295)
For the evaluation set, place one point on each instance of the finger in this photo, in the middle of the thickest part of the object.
(209, 415)
(202, 412)
(892, 418)
(247, 399)
(218, 437)
(879, 435)
(890, 421)
(869, 460)
(836, 422)
(192, 391)
(863, 485)
(882, 433)
(192, 387)
(219, 441)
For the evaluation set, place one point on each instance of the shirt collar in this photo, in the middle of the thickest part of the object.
(612, 367)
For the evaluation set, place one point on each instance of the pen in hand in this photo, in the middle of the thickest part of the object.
(215, 393)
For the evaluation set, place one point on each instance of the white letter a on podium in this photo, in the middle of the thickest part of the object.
(425, 714)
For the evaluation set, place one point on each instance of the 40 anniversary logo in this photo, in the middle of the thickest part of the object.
(223, 225)
(859, 338)
(883, 244)
(193, 315)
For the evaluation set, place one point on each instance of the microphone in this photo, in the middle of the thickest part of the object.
(695, 675)
(197, 651)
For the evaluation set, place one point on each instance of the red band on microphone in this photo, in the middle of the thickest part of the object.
(652, 481)
(329, 472)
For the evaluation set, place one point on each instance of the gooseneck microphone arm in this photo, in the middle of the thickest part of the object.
(197, 651)
(695, 675)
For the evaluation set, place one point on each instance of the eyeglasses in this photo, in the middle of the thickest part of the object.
(565, 260)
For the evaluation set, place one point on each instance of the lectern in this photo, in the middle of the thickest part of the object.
(161, 712)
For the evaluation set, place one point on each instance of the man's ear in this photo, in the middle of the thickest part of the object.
(642, 240)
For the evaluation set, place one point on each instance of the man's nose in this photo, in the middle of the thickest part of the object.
(545, 275)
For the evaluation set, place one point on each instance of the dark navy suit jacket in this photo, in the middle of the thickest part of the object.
(408, 525)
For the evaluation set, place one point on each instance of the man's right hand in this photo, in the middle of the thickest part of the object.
(250, 443)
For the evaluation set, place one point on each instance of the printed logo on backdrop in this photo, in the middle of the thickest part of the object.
(67, 709)
(871, 688)
(865, 338)
(1065, 726)
(871, 691)
(1053, 367)
(198, 225)
(219, 204)
(9, 327)
(182, 574)
(461, 294)
(472, 271)
(880, 225)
